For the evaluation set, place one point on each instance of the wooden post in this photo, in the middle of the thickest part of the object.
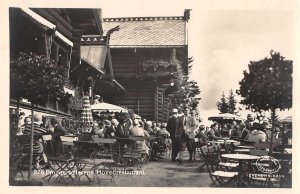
(155, 101)
(31, 145)
(273, 114)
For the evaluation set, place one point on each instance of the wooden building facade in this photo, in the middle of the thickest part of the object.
(146, 54)
(57, 33)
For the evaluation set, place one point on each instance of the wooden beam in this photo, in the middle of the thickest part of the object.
(76, 67)
(156, 103)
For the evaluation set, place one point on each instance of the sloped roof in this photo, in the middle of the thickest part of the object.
(146, 31)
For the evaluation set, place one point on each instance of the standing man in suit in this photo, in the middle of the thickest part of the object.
(186, 133)
(172, 127)
(191, 127)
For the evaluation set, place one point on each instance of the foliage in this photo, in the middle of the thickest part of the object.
(76, 101)
(268, 86)
(187, 90)
(227, 105)
(268, 83)
(36, 78)
(222, 105)
(231, 102)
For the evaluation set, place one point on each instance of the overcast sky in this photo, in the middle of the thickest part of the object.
(223, 41)
(224, 35)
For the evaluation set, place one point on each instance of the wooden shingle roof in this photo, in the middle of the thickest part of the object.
(147, 31)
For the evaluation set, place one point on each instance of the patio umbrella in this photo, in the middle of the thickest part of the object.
(225, 117)
(287, 119)
(104, 107)
(86, 118)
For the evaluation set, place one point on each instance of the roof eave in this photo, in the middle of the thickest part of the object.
(148, 46)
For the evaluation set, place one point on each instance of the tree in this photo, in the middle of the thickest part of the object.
(267, 85)
(231, 103)
(36, 78)
(222, 105)
(188, 90)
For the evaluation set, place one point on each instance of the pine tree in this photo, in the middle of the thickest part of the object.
(222, 104)
(231, 102)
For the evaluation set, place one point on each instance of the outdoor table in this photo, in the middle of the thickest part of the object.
(132, 156)
(241, 158)
(240, 151)
(91, 167)
(246, 142)
(87, 163)
(288, 150)
(245, 147)
(70, 135)
(227, 144)
(64, 168)
(227, 141)
(67, 141)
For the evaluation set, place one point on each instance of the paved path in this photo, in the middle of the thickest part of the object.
(162, 173)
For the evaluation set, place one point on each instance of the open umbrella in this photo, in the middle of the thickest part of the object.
(104, 107)
(225, 117)
(86, 118)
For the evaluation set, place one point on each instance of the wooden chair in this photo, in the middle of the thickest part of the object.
(105, 147)
(218, 177)
(285, 160)
(48, 145)
(23, 143)
(164, 144)
(135, 156)
(88, 161)
(228, 165)
(61, 165)
(258, 152)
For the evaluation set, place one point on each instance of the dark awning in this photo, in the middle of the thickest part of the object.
(45, 24)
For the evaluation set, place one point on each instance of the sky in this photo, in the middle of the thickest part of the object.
(223, 41)
(224, 35)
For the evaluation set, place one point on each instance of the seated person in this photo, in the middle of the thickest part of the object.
(137, 131)
(163, 132)
(121, 133)
(213, 133)
(202, 136)
(109, 130)
(244, 130)
(226, 130)
(120, 128)
(27, 122)
(236, 132)
(257, 135)
(98, 129)
(287, 134)
(148, 128)
(38, 131)
(58, 131)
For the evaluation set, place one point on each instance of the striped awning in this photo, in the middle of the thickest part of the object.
(86, 118)
(47, 24)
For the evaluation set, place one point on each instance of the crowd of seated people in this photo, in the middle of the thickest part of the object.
(258, 131)
(40, 128)
(125, 125)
